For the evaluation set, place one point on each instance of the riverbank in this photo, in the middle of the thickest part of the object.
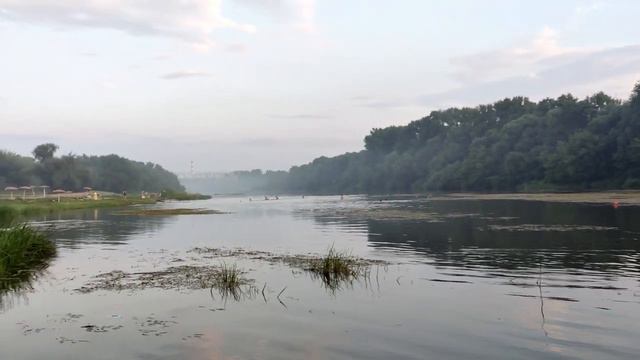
(15, 208)
(184, 196)
(616, 197)
(10, 209)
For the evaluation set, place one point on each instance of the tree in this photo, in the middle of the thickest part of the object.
(512, 144)
(44, 152)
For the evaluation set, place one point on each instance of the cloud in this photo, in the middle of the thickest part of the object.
(616, 68)
(512, 60)
(299, 116)
(373, 103)
(300, 14)
(190, 20)
(184, 74)
(539, 68)
(235, 48)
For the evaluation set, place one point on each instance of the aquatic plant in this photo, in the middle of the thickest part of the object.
(23, 253)
(338, 268)
(229, 276)
(229, 281)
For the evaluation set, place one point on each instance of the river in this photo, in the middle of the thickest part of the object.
(461, 279)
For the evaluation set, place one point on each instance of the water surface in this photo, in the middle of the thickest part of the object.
(479, 279)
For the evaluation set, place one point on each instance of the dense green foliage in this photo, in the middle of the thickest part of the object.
(23, 251)
(511, 145)
(71, 172)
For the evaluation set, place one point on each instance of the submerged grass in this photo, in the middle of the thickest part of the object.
(23, 253)
(164, 212)
(227, 280)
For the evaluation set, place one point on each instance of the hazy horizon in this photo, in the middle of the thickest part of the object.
(244, 84)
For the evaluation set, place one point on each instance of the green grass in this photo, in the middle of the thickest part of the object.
(23, 252)
(12, 209)
(229, 281)
(183, 196)
(337, 268)
(230, 277)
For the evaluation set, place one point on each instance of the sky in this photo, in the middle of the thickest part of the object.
(245, 84)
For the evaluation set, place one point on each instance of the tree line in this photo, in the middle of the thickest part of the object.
(514, 144)
(74, 172)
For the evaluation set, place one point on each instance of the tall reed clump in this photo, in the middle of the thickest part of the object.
(229, 281)
(230, 277)
(23, 252)
(337, 268)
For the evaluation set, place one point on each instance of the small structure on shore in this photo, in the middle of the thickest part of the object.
(11, 190)
(58, 191)
(44, 190)
(24, 191)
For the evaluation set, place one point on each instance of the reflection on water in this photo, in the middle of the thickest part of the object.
(463, 279)
(17, 288)
(96, 226)
(24, 257)
(508, 235)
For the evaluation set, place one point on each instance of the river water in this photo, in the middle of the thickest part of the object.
(462, 279)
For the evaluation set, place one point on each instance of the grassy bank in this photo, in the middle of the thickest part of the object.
(11, 209)
(23, 252)
(183, 196)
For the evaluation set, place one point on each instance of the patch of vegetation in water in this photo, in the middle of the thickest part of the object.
(555, 228)
(24, 253)
(335, 269)
(166, 212)
(228, 280)
(385, 213)
(184, 196)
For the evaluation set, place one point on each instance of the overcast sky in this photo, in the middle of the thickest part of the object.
(242, 84)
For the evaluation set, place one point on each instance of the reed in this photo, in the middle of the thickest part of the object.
(23, 253)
